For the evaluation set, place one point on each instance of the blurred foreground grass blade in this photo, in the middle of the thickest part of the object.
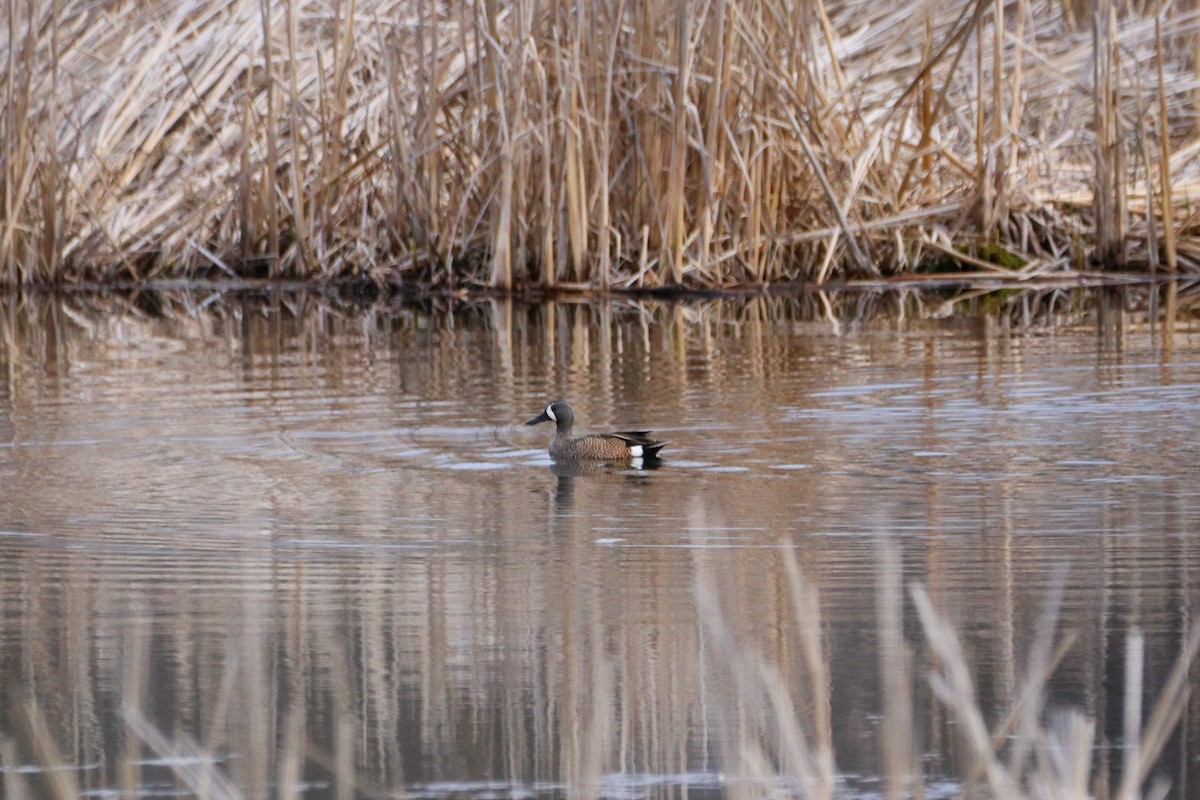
(58, 775)
(1165, 716)
(194, 767)
(954, 687)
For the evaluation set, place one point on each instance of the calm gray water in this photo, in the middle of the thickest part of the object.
(316, 552)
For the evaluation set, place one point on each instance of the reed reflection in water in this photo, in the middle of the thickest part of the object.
(298, 550)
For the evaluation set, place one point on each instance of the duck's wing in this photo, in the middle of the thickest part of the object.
(650, 447)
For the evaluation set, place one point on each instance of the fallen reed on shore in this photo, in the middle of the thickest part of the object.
(608, 144)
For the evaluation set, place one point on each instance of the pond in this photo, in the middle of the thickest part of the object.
(279, 546)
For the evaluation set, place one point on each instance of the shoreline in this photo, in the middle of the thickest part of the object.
(989, 281)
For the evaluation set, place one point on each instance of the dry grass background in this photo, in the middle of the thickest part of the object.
(609, 143)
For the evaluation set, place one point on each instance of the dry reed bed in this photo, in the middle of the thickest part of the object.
(612, 144)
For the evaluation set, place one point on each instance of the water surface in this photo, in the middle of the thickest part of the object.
(316, 547)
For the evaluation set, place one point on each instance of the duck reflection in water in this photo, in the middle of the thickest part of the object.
(605, 471)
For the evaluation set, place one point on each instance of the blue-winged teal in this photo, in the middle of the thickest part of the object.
(619, 446)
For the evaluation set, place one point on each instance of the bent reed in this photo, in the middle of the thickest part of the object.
(603, 145)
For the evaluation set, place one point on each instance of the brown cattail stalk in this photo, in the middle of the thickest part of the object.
(1164, 156)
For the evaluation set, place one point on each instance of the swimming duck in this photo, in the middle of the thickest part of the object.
(618, 446)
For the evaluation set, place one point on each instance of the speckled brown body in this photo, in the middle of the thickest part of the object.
(618, 446)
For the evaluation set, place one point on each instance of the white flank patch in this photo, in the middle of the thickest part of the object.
(550, 412)
(635, 451)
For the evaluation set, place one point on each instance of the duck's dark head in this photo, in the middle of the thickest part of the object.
(557, 412)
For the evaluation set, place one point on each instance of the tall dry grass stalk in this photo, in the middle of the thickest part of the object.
(606, 144)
